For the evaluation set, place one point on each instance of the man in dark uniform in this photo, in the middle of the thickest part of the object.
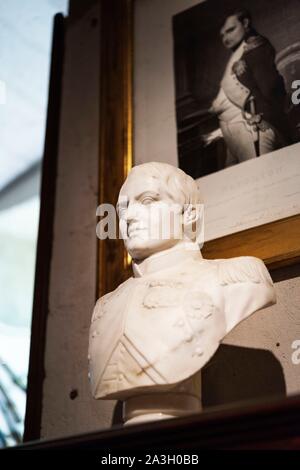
(250, 102)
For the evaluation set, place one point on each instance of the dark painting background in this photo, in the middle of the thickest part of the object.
(199, 62)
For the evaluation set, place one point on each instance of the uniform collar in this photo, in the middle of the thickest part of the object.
(237, 54)
(166, 259)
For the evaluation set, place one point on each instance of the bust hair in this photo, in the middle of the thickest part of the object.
(180, 185)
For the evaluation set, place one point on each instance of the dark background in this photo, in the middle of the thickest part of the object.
(200, 59)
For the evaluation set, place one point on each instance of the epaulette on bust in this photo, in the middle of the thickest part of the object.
(96, 311)
(243, 269)
(101, 303)
(99, 308)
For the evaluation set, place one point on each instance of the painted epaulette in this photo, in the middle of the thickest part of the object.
(253, 42)
(243, 269)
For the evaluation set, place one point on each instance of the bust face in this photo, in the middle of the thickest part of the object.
(150, 219)
(233, 32)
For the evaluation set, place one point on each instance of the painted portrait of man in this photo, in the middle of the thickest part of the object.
(234, 83)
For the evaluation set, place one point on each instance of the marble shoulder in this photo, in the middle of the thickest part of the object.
(105, 299)
(242, 269)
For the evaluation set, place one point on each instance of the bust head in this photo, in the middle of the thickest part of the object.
(159, 207)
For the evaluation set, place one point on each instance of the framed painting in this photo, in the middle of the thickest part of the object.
(234, 63)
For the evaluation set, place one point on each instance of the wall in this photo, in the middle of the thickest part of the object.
(154, 110)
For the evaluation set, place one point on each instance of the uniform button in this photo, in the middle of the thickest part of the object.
(188, 338)
(121, 376)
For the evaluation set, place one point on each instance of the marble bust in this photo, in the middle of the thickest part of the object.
(150, 337)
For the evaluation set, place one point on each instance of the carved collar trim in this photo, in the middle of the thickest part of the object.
(166, 259)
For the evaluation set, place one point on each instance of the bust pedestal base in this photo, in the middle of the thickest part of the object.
(156, 406)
